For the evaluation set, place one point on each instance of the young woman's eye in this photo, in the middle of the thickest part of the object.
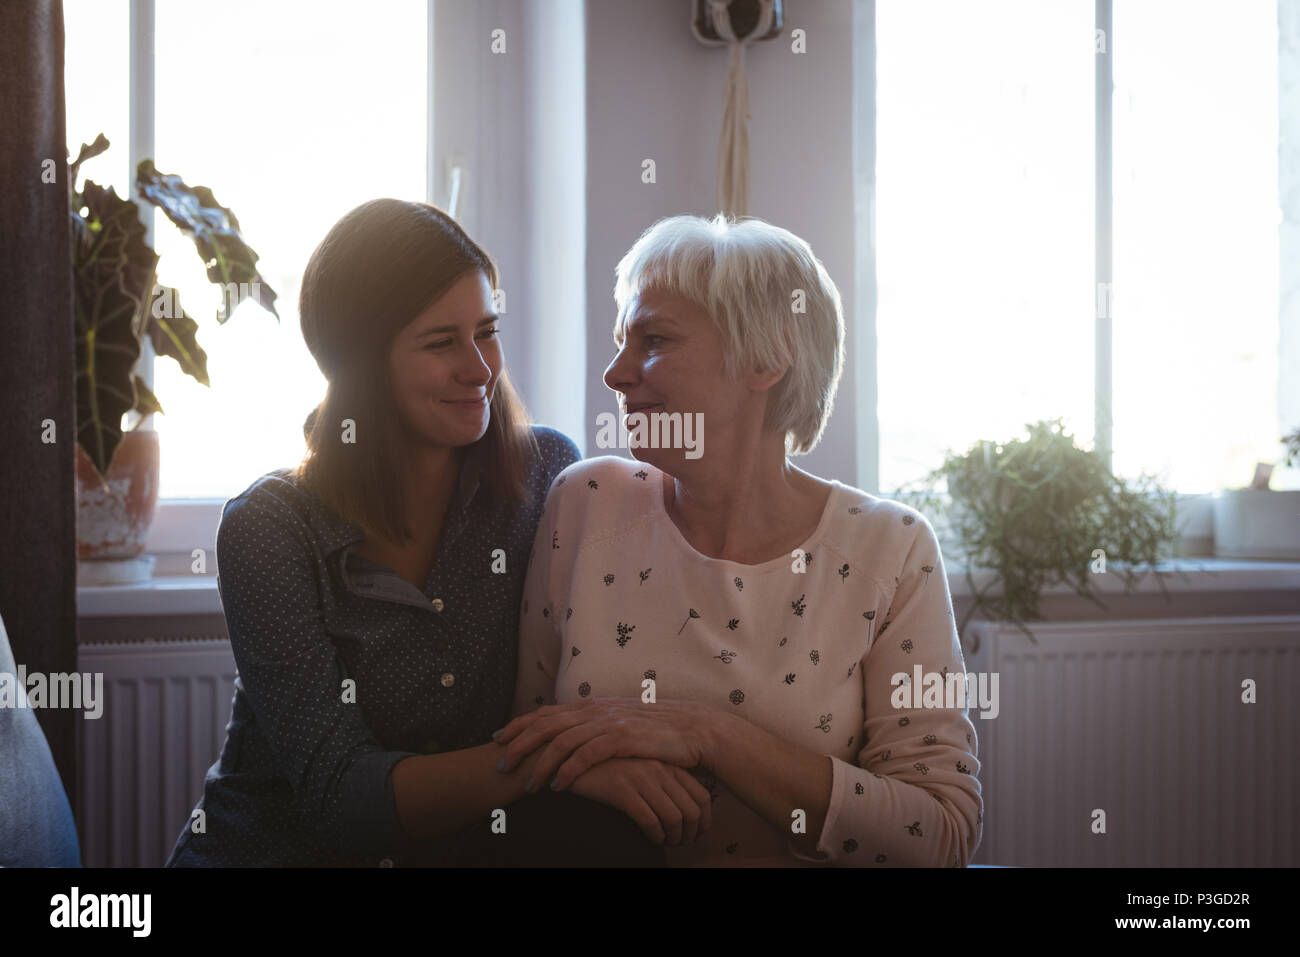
(440, 344)
(488, 333)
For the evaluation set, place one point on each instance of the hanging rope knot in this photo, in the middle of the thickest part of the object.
(733, 145)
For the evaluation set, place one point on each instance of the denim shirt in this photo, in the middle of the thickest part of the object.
(345, 668)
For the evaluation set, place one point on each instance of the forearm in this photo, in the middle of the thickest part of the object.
(437, 794)
(772, 777)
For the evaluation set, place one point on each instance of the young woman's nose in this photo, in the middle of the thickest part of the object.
(473, 368)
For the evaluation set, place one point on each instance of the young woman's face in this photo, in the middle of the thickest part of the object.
(445, 363)
(670, 360)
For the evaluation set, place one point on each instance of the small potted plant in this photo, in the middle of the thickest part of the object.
(1039, 511)
(117, 302)
(1260, 522)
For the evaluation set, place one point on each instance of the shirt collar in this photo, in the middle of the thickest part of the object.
(334, 532)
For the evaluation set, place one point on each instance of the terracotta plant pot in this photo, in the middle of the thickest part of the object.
(113, 519)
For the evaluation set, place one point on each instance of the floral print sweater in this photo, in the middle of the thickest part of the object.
(810, 647)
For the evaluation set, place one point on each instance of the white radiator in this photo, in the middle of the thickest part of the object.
(1140, 718)
(166, 706)
(1144, 720)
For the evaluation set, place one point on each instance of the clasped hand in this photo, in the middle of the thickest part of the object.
(625, 753)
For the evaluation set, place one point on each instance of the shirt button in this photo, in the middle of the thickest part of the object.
(448, 679)
(386, 862)
(437, 604)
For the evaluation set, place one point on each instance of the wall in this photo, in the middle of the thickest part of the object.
(655, 92)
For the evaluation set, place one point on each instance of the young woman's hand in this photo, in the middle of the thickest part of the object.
(666, 802)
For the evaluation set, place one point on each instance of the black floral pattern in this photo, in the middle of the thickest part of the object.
(737, 696)
(624, 634)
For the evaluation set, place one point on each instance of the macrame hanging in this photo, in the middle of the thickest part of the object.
(735, 23)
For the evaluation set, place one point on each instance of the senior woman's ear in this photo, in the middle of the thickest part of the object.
(760, 380)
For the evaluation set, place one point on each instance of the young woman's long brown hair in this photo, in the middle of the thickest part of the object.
(379, 267)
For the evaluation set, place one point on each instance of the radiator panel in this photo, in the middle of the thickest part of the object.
(1144, 720)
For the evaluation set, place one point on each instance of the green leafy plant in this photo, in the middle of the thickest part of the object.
(1292, 443)
(118, 302)
(1034, 511)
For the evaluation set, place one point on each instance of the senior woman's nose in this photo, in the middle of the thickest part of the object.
(619, 372)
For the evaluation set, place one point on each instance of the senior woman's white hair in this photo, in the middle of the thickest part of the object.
(752, 278)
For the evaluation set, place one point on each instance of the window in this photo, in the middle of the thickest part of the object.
(1195, 312)
(985, 232)
(308, 111)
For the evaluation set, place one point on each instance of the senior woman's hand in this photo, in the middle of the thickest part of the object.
(597, 729)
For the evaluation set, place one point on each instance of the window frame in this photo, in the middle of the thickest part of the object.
(181, 525)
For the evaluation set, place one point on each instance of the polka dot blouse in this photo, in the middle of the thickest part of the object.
(345, 668)
(805, 646)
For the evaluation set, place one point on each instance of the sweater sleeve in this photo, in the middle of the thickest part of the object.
(913, 798)
(539, 631)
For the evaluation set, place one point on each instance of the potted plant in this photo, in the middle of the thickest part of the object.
(1039, 511)
(117, 302)
(1260, 522)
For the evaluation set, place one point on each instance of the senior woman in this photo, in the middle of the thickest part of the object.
(730, 613)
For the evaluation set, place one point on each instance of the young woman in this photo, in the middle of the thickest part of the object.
(371, 594)
(730, 613)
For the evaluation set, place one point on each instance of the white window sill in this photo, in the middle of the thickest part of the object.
(197, 594)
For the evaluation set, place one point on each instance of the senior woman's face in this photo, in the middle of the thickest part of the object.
(670, 359)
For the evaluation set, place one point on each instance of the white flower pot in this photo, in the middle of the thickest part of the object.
(1261, 524)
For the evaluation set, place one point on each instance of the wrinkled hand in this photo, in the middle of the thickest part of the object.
(666, 802)
(598, 729)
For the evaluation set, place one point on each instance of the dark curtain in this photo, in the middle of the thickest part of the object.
(38, 517)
